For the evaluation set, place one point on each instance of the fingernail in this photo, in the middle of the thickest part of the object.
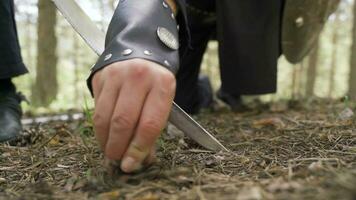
(130, 164)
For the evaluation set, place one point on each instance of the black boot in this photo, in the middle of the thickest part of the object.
(234, 101)
(10, 112)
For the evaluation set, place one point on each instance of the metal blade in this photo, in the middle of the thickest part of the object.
(82, 24)
(95, 38)
(193, 129)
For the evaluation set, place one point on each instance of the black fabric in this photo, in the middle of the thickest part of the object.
(134, 26)
(249, 42)
(6, 85)
(11, 64)
(191, 55)
(248, 33)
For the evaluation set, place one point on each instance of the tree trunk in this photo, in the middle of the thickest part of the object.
(45, 88)
(335, 39)
(301, 72)
(294, 82)
(76, 62)
(312, 71)
(352, 77)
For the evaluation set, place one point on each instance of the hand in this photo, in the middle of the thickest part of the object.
(133, 100)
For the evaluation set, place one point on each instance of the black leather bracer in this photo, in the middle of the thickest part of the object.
(145, 29)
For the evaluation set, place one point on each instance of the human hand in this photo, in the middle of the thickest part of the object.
(133, 100)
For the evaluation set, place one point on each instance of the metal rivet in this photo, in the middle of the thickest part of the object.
(107, 57)
(147, 52)
(167, 63)
(127, 52)
(168, 38)
(165, 5)
(173, 17)
(178, 27)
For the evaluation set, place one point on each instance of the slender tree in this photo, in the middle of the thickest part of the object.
(335, 40)
(301, 72)
(312, 71)
(294, 82)
(45, 89)
(77, 64)
(352, 77)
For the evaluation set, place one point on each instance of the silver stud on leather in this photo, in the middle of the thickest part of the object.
(147, 53)
(173, 17)
(167, 63)
(127, 52)
(178, 27)
(107, 57)
(167, 38)
(165, 4)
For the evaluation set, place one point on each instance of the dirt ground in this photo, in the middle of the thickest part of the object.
(284, 150)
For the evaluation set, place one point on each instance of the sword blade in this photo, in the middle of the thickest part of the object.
(82, 24)
(95, 38)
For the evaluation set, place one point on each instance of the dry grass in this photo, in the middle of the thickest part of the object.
(298, 150)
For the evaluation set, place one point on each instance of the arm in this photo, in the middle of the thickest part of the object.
(133, 81)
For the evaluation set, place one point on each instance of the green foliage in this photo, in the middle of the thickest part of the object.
(75, 59)
(86, 127)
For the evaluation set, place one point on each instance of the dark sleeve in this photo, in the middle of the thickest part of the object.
(11, 63)
(143, 29)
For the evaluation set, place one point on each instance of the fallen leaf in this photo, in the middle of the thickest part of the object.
(272, 121)
(54, 141)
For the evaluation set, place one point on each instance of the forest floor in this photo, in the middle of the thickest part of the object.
(284, 150)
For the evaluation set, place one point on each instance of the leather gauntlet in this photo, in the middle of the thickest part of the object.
(141, 29)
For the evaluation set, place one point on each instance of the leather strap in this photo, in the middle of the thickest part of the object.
(146, 30)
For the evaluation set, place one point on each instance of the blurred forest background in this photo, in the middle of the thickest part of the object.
(60, 66)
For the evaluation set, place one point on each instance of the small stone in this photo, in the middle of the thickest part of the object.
(346, 114)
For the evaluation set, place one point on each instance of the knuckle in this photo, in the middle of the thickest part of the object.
(138, 71)
(138, 148)
(122, 122)
(151, 127)
(112, 72)
(168, 79)
(96, 78)
(99, 121)
(167, 86)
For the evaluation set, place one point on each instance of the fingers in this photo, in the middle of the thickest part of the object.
(133, 100)
(105, 104)
(127, 112)
(152, 121)
(97, 85)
